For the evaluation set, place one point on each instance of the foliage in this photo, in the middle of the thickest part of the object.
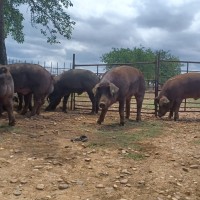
(50, 16)
(145, 60)
(168, 69)
(13, 21)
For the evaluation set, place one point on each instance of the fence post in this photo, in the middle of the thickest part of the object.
(73, 62)
(185, 101)
(73, 94)
(157, 70)
(97, 70)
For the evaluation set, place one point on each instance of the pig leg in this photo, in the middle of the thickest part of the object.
(176, 115)
(139, 100)
(27, 100)
(92, 99)
(171, 112)
(53, 104)
(1, 109)
(9, 109)
(65, 99)
(20, 98)
(121, 112)
(96, 104)
(102, 116)
(38, 101)
(172, 109)
(42, 100)
(128, 107)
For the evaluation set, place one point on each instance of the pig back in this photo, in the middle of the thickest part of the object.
(31, 78)
(182, 86)
(128, 79)
(77, 80)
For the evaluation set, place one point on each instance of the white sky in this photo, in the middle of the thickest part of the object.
(172, 25)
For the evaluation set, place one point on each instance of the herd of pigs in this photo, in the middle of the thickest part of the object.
(117, 85)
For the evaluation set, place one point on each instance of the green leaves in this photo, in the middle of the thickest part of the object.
(13, 21)
(138, 55)
(52, 18)
(49, 16)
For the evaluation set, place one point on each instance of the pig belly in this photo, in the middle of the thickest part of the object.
(24, 91)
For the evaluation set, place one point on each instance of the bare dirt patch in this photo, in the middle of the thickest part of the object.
(154, 159)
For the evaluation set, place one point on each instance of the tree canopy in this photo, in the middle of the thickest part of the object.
(143, 59)
(48, 16)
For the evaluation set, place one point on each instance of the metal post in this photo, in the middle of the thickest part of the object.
(157, 71)
(73, 94)
(73, 62)
(185, 102)
(97, 70)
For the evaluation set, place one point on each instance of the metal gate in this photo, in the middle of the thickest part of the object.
(153, 86)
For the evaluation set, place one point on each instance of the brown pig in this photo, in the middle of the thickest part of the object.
(6, 93)
(32, 79)
(120, 84)
(175, 90)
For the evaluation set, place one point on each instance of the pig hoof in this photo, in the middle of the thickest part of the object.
(121, 123)
(12, 123)
(23, 112)
(91, 113)
(98, 122)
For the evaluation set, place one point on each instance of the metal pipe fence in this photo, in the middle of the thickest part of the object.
(153, 85)
(153, 82)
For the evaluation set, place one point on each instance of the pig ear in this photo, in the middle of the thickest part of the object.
(94, 90)
(163, 101)
(113, 89)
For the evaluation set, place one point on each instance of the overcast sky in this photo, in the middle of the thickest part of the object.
(172, 25)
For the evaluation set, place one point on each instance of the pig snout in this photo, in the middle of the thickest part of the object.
(102, 105)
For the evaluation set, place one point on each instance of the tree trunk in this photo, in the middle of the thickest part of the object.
(3, 56)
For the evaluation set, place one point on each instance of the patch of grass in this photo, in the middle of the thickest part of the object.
(95, 144)
(197, 142)
(129, 136)
(135, 156)
(8, 129)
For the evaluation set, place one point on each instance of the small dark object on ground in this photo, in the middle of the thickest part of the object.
(82, 138)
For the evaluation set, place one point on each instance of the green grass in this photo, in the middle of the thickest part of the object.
(7, 128)
(135, 156)
(197, 142)
(129, 136)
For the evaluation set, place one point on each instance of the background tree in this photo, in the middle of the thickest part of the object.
(144, 59)
(49, 16)
(3, 56)
(168, 69)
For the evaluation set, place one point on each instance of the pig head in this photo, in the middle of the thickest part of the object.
(164, 105)
(106, 93)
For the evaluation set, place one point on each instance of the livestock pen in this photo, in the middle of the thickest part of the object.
(155, 72)
(154, 82)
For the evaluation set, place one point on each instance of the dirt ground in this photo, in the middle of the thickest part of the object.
(155, 159)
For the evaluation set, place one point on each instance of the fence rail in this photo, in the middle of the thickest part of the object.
(153, 84)
(152, 90)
